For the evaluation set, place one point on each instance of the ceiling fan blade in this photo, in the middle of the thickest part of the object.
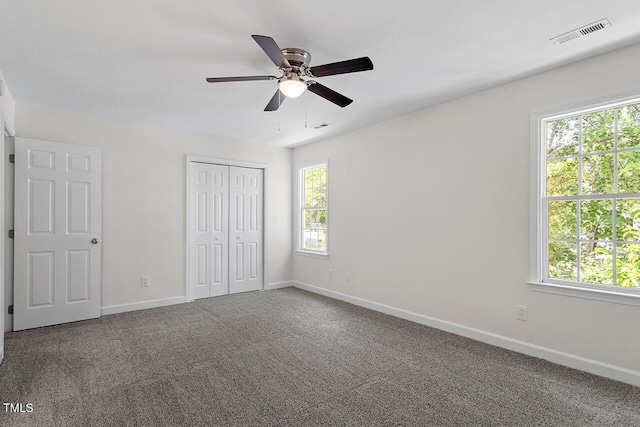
(275, 102)
(342, 67)
(329, 94)
(239, 79)
(272, 50)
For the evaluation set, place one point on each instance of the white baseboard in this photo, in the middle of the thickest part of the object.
(1, 354)
(141, 305)
(561, 358)
(279, 285)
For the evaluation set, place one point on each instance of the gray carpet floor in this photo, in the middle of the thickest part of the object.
(289, 358)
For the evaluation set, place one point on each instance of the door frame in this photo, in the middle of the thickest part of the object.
(7, 132)
(7, 245)
(189, 159)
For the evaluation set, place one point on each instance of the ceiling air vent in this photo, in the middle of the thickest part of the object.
(582, 31)
(321, 125)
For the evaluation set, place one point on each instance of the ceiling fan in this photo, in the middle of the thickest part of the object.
(297, 75)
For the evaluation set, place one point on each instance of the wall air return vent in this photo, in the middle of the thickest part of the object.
(582, 31)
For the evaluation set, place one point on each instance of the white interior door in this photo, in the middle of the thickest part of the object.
(225, 230)
(245, 229)
(209, 211)
(58, 231)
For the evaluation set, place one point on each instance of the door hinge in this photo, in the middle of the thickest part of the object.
(11, 309)
(11, 234)
(12, 158)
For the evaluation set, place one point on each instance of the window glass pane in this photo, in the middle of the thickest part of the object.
(597, 131)
(629, 126)
(563, 260)
(596, 220)
(316, 218)
(320, 197)
(308, 178)
(307, 239)
(317, 180)
(563, 137)
(575, 166)
(562, 177)
(308, 198)
(596, 264)
(629, 172)
(315, 226)
(628, 220)
(597, 174)
(628, 266)
(562, 219)
(314, 213)
(322, 239)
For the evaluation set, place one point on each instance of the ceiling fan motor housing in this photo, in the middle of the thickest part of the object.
(298, 58)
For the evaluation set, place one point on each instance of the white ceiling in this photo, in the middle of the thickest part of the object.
(146, 60)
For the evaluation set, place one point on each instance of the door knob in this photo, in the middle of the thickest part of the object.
(237, 237)
(95, 241)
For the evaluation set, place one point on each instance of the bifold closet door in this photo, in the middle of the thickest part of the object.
(209, 223)
(245, 229)
(226, 230)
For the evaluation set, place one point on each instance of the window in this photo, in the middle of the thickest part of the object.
(588, 201)
(313, 208)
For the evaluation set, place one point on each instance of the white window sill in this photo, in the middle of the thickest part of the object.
(311, 254)
(588, 293)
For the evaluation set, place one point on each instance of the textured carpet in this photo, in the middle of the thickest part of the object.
(289, 358)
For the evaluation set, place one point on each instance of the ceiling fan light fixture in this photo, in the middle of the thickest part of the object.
(292, 86)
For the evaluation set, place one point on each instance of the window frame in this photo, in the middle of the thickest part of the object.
(538, 260)
(300, 210)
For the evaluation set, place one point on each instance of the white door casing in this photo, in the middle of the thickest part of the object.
(225, 252)
(245, 229)
(2, 271)
(209, 200)
(9, 188)
(58, 232)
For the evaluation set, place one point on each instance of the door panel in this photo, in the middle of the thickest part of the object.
(209, 230)
(57, 268)
(41, 279)
(246, 229)
(79, 278)
(79, 208)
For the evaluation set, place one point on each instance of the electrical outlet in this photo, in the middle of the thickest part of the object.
(331, 273)
(347, 277)
(523, 313)
(144, 281)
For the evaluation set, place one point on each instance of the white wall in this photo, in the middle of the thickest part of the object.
(144, 197)
(429, 212)
(7, 104)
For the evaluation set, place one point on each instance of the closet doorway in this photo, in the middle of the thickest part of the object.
(225, 227)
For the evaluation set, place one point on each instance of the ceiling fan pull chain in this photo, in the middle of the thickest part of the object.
(305, 108)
